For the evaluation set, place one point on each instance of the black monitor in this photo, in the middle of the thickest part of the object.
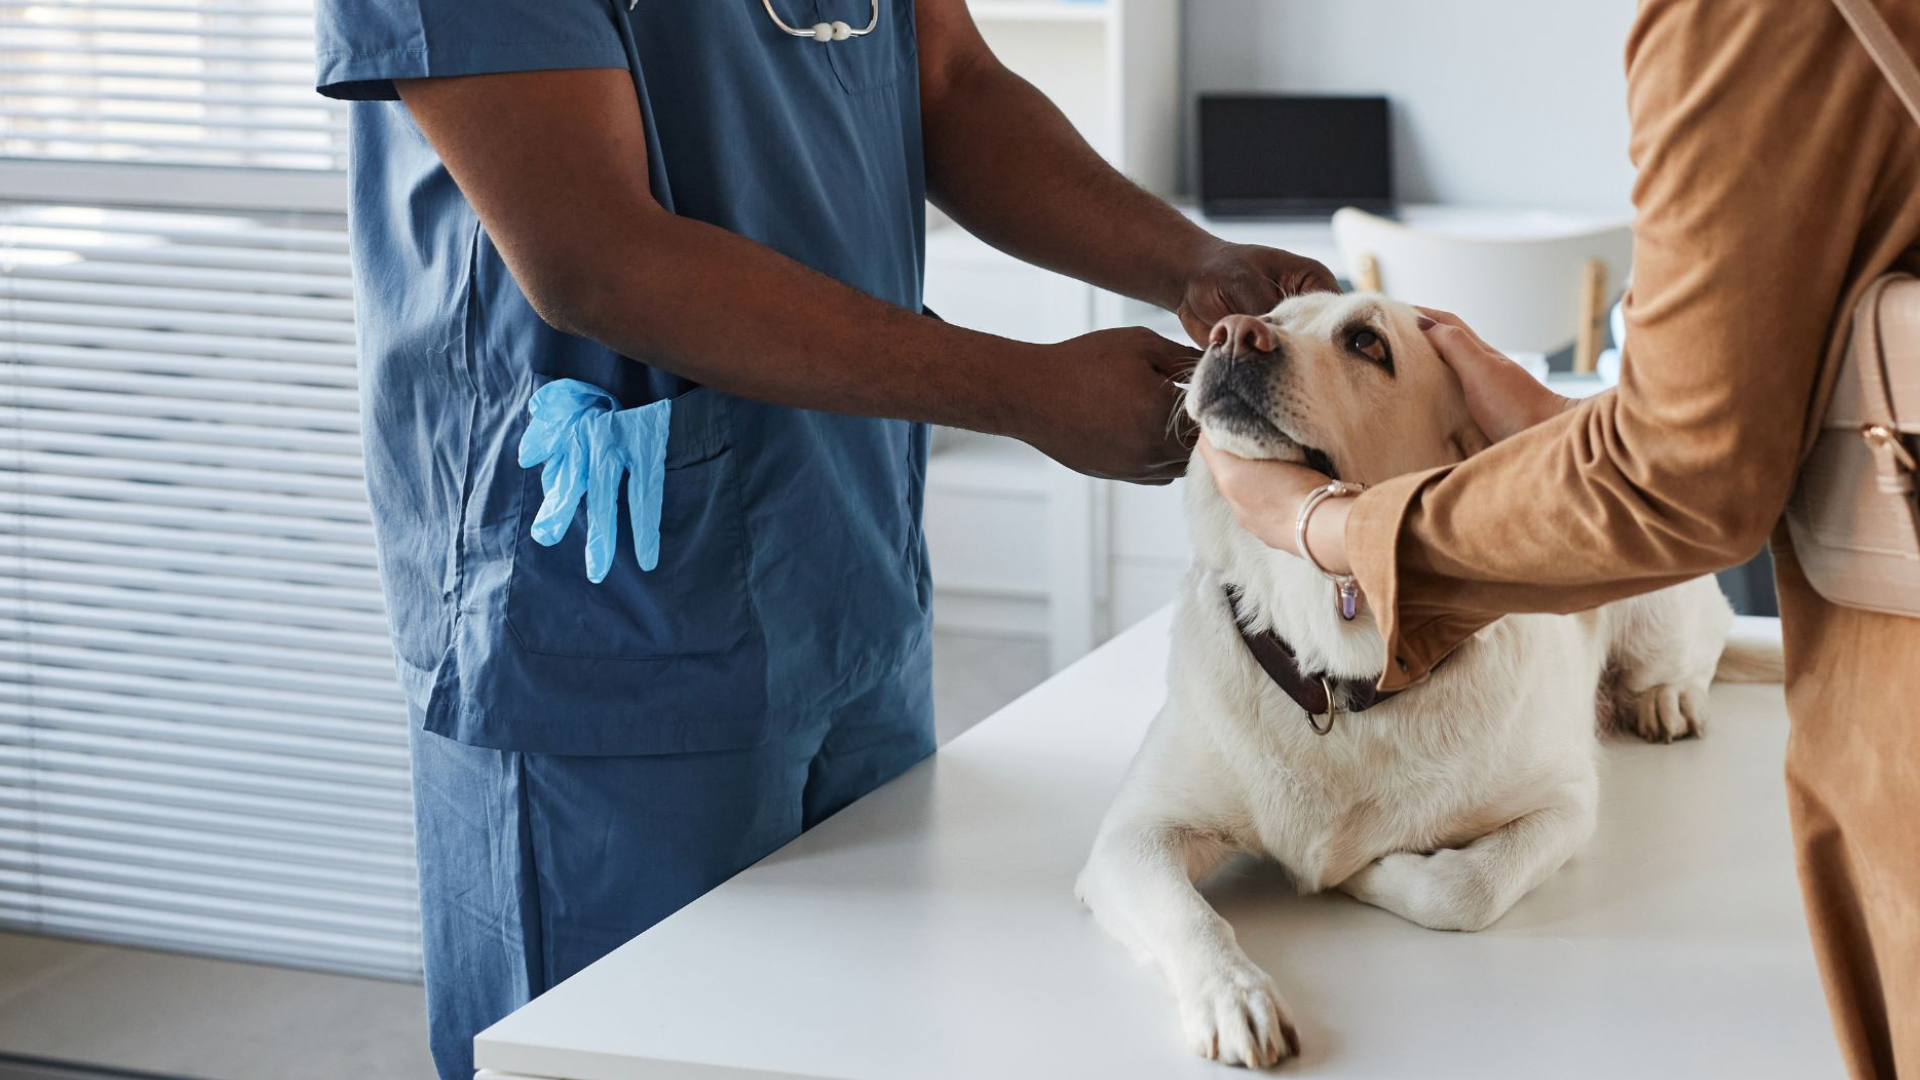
(1263, 155)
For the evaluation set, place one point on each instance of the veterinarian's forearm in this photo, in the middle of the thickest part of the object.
(1005, 164)
(737, 316)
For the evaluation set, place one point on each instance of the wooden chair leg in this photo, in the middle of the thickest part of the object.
(1366, 273)
(1593, 314)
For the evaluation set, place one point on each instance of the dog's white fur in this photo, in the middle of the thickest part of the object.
(1444, 805)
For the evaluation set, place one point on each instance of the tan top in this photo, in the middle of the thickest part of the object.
(1778, 174)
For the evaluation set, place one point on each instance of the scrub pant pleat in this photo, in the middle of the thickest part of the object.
(867, 744)
(481, 947)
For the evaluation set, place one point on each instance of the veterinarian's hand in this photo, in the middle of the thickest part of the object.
(1105, 404)
(1503, 398)
(1266, 497)
(1246, 279)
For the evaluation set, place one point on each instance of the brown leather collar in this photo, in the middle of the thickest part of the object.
(1319, 695)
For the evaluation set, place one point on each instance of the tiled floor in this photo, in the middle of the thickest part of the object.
(182, 1016)
(975, 675)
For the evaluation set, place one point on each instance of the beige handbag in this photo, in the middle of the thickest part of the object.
(1855, 515)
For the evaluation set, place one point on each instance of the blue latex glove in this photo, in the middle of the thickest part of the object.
(586, 442)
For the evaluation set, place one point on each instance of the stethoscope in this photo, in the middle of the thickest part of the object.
(833, 31)
(823, 31)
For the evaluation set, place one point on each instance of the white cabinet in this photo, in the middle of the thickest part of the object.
(970, 284)
(1021, 545)
(987, 522)
(1146, 531)
(1018, 543)
(1113, 66)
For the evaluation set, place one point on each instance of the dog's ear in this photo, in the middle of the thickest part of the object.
(1467, 440)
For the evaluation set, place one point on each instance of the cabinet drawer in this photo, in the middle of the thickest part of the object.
(1142, 587)
(1150, 522)
(986, 543)
(1001, 295)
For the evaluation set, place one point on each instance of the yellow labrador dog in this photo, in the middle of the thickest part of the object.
(1445, 804)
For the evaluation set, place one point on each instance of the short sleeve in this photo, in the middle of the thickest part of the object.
(361, 46)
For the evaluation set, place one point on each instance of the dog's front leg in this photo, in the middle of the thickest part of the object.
(1469, 888)
(1139, 884)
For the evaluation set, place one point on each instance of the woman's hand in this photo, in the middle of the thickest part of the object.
(1503, 398)
(1266, 497)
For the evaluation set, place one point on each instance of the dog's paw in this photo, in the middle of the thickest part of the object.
(1235, 1015)
(1442, 891)
(1666, 712)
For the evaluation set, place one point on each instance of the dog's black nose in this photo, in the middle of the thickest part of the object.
(1243, 334)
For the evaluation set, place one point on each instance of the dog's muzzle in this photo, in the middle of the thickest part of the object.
(1234, 389)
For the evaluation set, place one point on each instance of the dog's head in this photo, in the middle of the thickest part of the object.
(1346, 384)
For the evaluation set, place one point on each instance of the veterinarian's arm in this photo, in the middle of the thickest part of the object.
(555, 164)
(1004, 162)
(1752, 197)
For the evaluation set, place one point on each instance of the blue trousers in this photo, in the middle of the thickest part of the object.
(533, 866)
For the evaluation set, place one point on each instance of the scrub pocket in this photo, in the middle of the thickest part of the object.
(878, 59)
(694, 603)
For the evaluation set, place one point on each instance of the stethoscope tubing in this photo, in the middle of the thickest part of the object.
(825, 31)
(834, 31)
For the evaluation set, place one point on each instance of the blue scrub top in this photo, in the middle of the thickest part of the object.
(793, 576)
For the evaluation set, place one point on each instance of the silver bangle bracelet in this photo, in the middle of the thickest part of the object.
(1346, 589)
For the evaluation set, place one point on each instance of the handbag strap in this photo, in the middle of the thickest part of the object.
(1894, 463)
(1871, 28)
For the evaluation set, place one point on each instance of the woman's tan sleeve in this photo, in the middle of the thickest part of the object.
(1752, 125)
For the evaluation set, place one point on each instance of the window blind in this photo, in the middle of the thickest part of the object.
(176, 82)
(202, 746)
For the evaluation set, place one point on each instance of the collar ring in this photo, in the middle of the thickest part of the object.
(1333, 709)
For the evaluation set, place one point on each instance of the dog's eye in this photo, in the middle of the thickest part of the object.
(1368, 344)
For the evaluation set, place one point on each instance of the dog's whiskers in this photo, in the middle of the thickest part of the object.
(1179, 413)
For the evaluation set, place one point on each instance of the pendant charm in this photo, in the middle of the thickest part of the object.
(1349, 592)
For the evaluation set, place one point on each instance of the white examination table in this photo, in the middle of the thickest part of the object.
(929, 932)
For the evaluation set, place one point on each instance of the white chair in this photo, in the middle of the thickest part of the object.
(1529, 284)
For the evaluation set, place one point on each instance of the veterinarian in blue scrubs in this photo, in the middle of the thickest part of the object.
(684, 201)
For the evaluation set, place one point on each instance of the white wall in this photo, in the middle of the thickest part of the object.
(1496, 101)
